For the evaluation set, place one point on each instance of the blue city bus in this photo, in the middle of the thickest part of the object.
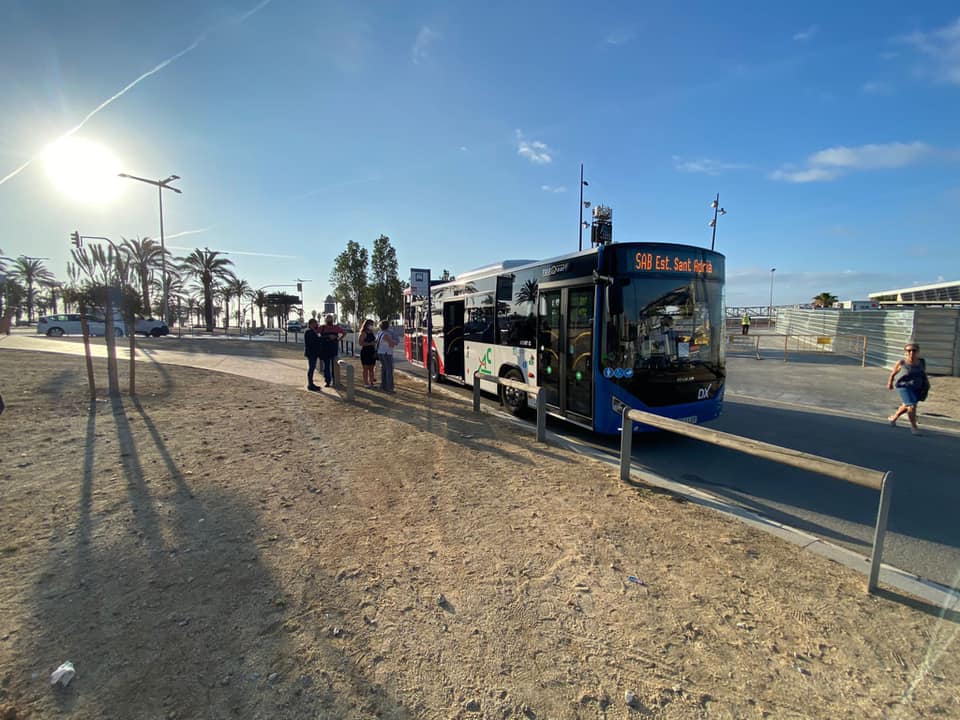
(620, 324)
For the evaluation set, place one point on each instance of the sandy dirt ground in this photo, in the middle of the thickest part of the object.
(218, 547)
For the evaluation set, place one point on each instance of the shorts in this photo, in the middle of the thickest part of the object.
(908, 395)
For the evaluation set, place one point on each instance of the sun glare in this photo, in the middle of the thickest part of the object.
(83, 170)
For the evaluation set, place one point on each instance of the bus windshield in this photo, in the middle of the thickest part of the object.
(659, 333)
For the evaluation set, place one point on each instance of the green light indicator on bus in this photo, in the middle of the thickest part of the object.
(579, 376)
(549, 370)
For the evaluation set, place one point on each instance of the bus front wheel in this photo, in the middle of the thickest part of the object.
(434, 367)
(514, 400)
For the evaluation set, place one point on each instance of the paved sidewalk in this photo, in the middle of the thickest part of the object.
(815, 383)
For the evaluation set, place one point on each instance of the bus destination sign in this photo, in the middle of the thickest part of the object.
(672, 263)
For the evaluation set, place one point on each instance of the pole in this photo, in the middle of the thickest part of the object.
(716, 209)
(429, 337)
(580, 226)
(770, 307)
(163, 259)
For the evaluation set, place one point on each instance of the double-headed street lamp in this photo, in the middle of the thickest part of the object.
(161, 185)
(717, 211)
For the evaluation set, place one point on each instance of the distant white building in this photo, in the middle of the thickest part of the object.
(946, 294)
(858, 305)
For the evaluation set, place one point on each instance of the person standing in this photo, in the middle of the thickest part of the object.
(368, 353)
(909, 376)
(312, 350)
(385, 345)
(745, 324)
(330, 336)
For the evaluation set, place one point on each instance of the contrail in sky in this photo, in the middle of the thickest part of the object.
(189, 232)
(241, 252)
(203, 36)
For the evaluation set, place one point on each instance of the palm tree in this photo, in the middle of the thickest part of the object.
(260, 300)
(144, 256)
(226, 294)
(207, 265)
(31, 271)
(241, 291)
(824, 300)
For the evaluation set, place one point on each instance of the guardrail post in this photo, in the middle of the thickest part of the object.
(886, 490)
(476, 392)
(349, 371)
(541, 416)
(786, 340)
(863, 356)
(626, 444)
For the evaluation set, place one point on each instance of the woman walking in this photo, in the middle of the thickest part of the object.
(368, 353)
(909, 376)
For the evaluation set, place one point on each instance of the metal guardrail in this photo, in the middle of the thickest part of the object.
(854, 346)
(522, 387)
(748, 342)
(866, 477)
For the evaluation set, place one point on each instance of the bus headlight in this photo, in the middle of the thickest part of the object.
(618, 406)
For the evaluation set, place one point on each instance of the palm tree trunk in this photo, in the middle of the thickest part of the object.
(131, 332)
(145, 284)
(113, 375)
(91, 381)
(208, 305)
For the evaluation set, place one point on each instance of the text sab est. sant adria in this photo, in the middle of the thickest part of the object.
(672, 263)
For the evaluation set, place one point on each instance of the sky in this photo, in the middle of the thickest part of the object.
(458, 130)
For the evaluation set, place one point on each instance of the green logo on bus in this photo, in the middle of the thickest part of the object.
(485, 362)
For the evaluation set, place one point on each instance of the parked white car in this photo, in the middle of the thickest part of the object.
(149, 326)
(69, 324)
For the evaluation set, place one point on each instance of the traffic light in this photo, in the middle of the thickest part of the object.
(75, 239)
(299, 287)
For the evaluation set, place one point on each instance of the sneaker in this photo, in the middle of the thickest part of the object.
(915, 431)
(314, 388)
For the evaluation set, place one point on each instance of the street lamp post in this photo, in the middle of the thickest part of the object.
(717, 210)
(161, 185)
(583, 184)
(770, 307)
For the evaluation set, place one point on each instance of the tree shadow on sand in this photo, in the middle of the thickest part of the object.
(160, 597)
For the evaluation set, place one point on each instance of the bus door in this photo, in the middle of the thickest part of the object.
(565, 350)
(453, 338)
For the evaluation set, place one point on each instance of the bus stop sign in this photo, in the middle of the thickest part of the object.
(419, 282)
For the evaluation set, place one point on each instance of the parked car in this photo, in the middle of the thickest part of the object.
(294, 326)
(69, 324)
(151, 327)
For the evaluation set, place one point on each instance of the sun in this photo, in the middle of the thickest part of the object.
(83, 170)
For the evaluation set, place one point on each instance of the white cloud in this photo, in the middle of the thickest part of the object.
(942, 47)
(620, 36)
(806, 34)
(804, 176)
(425, 38)
(875, 87)
(833, 162)
(871, 157)
(553, 188)
(464, 148)
(705, 166)
(534, 150)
